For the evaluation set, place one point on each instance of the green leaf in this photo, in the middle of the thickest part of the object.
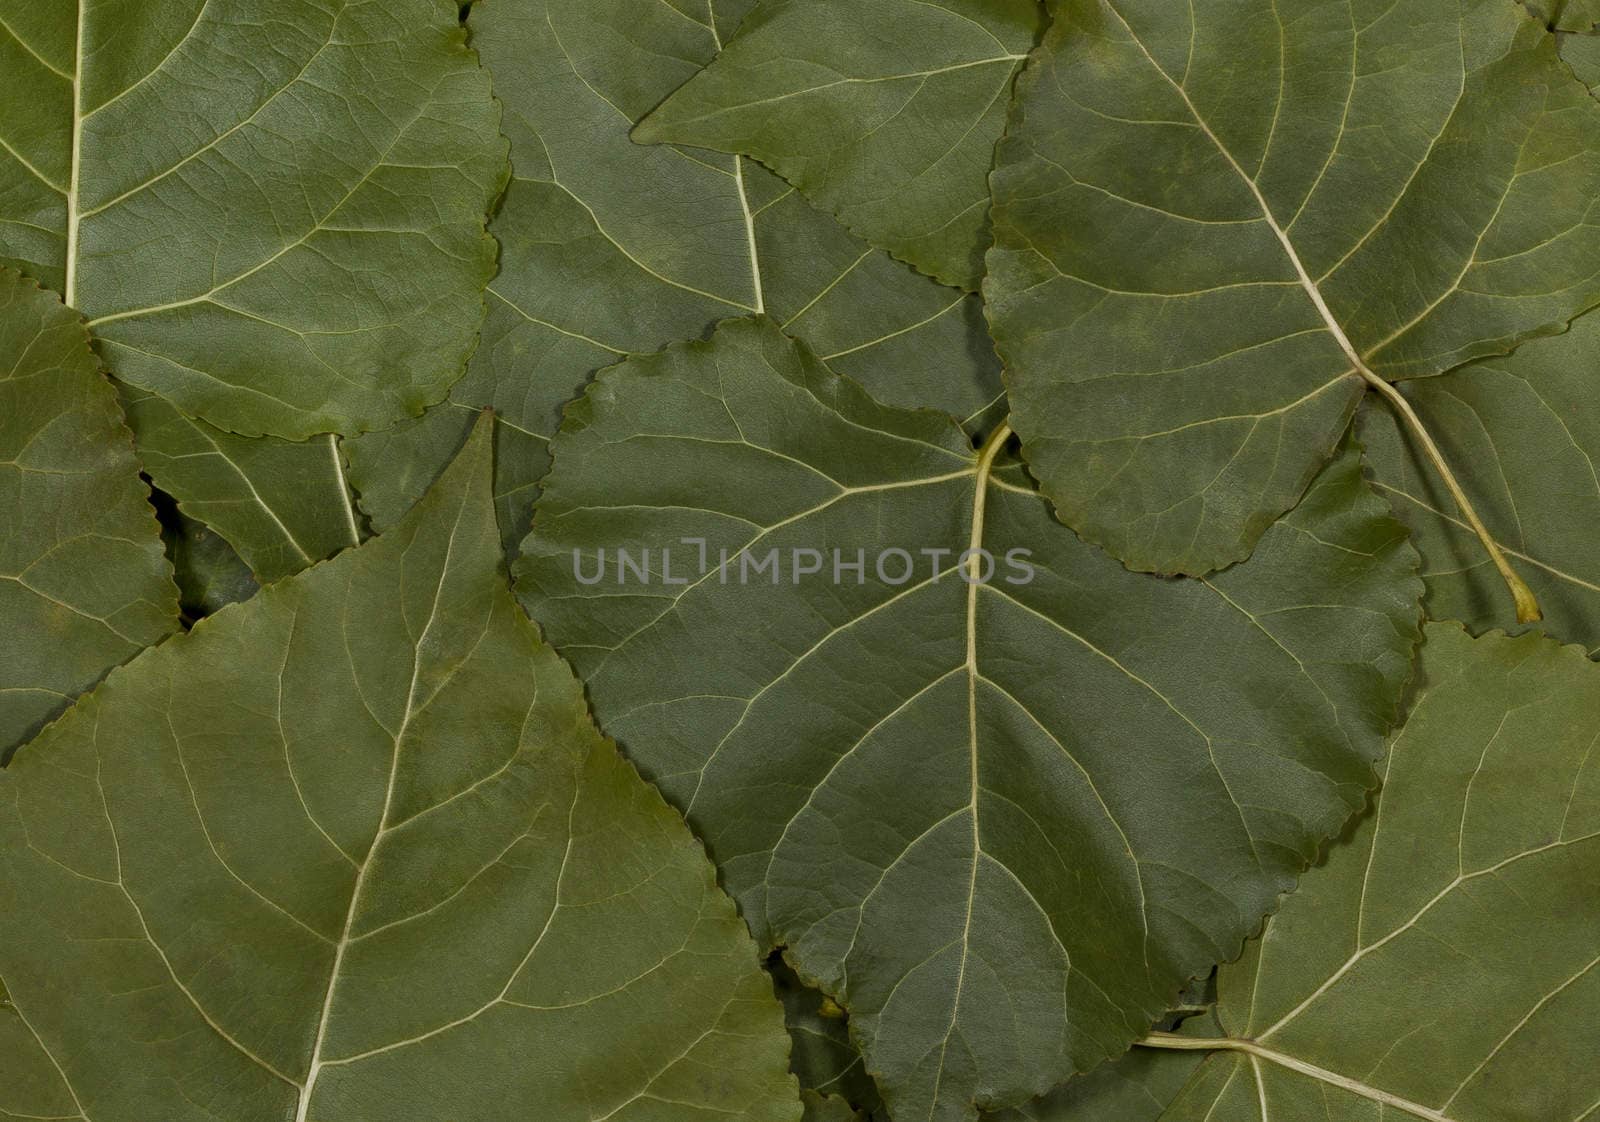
(283, 506)
(84, 583)
(828, 1108)
(1525, 434)
(1217, 225)
(209, 574)
(354, 843)
(1136, 1087)
(884, 113)
(1443, 960)
(936, 795)
(1567, 15)
(271, 211)
(609, 248)
(1582, 53)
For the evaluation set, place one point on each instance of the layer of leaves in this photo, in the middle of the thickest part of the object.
(884, 113)
(1136, 1088)
(1567, 15)
(84, 584)
(209, 574)
(271, 211)
(823, 1057)
(828, 1108)
(1443, 960)
(283, 506)
(356, 842)
(609, 248)
(1582, 53)
(1213, 228)
(1526, 436)
(1000, 823)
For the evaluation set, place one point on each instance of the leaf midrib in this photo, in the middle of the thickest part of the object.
(357, 890)
(70, 290)
(1335, 329)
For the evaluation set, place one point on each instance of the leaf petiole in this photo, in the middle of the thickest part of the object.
(1250, 1048)
(1528, 610)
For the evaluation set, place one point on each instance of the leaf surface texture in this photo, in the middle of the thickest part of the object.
(1000, 824)
(611, 248)
(1445, 955)
(884, 113)
(1213, 229)
(355, 842)
(84, 583)
(271, 211)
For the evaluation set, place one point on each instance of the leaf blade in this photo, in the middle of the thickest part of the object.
(611, 248)
(84, 584)
(1485, 830)
(941, 949)
(319, 212)
(814, 90)
(1281, 268)
(259, 894)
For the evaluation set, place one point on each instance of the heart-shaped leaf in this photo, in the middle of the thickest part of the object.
(1217, 225)
(83, 580)
(271, 211)
(1002, 822)
(353, 849)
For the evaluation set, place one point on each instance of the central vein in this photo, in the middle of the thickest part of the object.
(974, 562)
(71, 288)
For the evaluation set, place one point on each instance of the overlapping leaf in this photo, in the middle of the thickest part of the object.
(83, 581)
(271, 211)
(884, 113)
(1000, 823)
(1443, 963)
(1526, 436)
(209, 574)
(282, 505)
(823, 1057)
(1582, 53)
(828, 1108)
(1567, 15)
(611, 248)
(1135, 1088)
(355, 843)
(1217, 224)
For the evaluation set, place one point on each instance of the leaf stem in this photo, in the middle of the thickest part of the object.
(1527, 603)
(1172, 1041)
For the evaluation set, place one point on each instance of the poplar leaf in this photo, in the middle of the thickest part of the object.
(271, 211)
(1441, 963)
(1526, 434)
(1217, 225)
(999, 823)
(355, 843)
